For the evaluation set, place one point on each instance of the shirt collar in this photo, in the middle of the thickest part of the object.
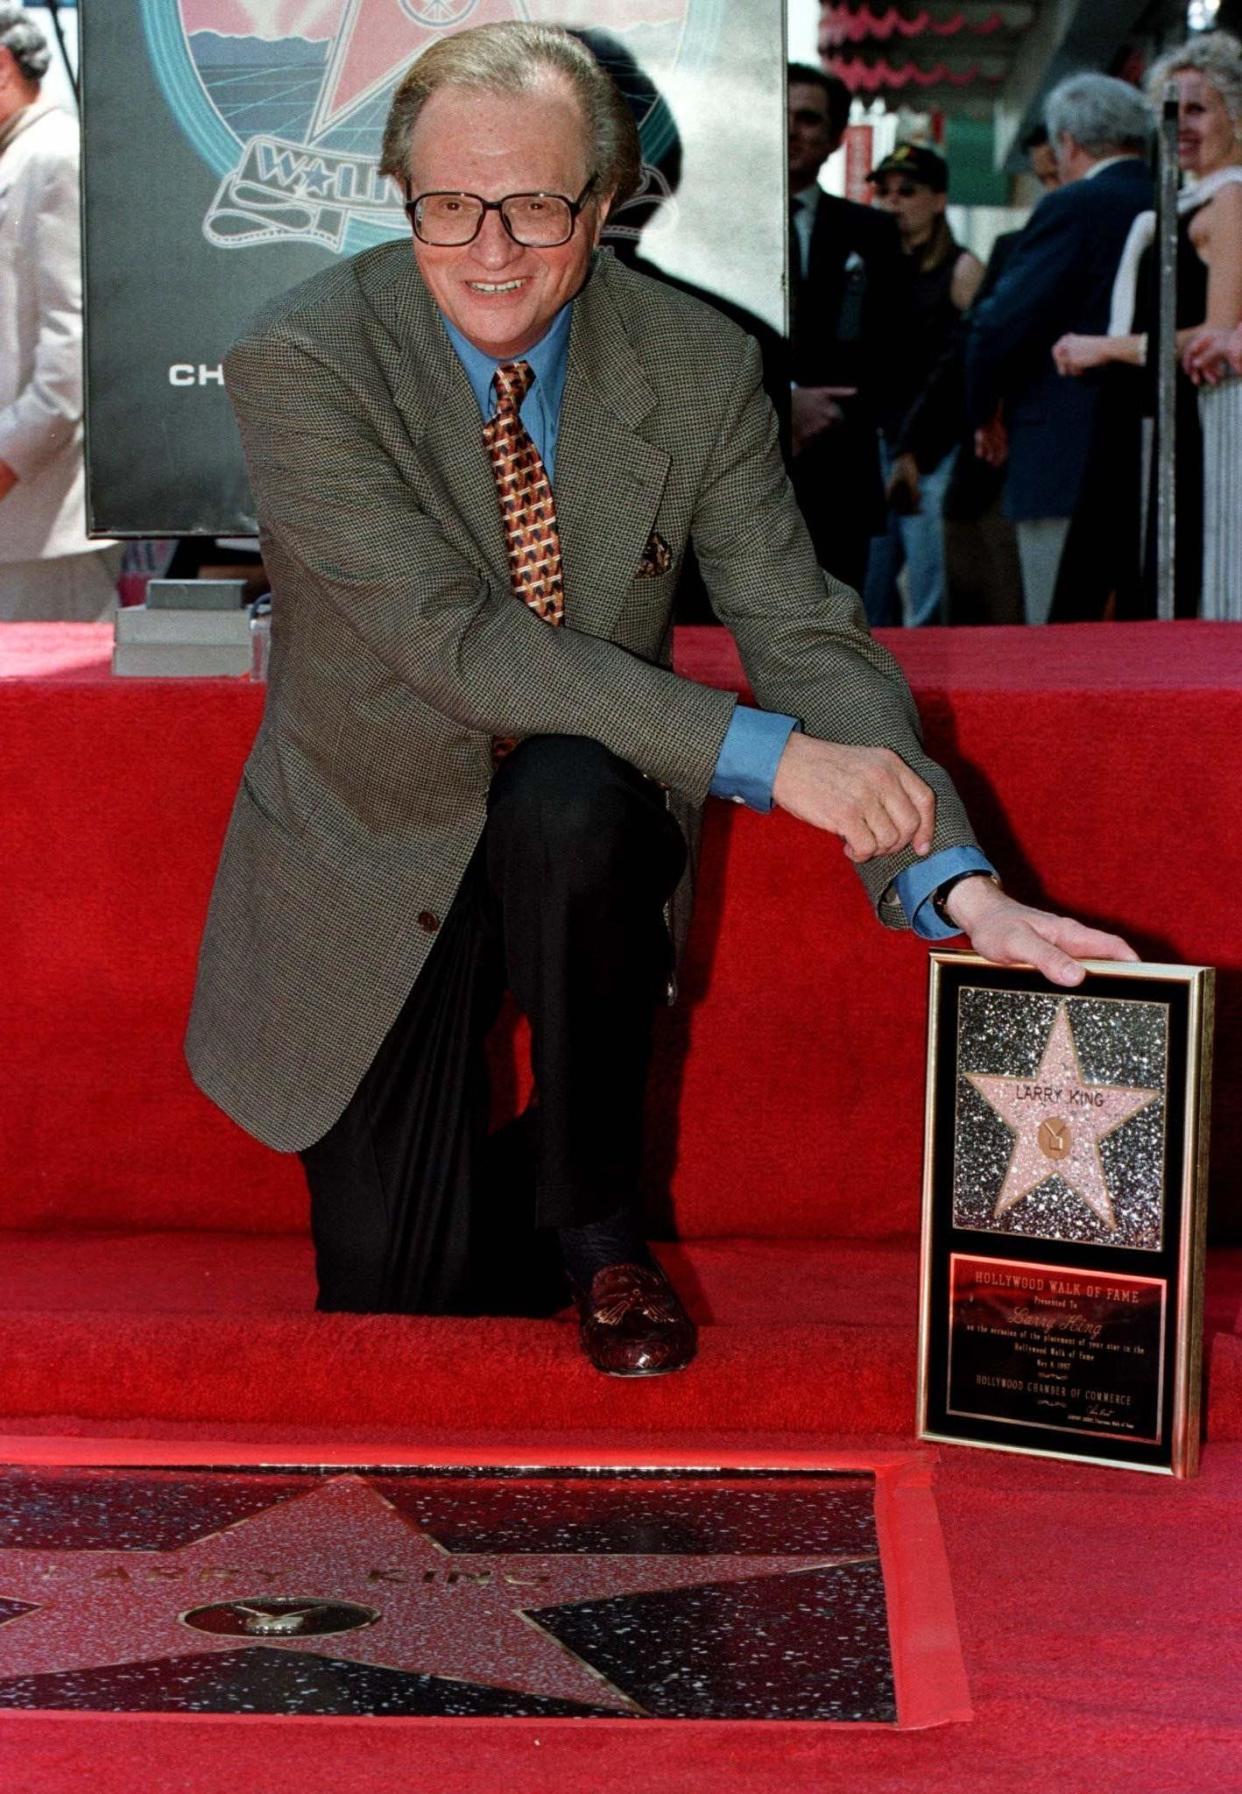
(1108, 162)
(808, 198)
(19, 121)
(548, 360)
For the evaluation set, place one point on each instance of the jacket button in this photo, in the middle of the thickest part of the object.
(427, 921)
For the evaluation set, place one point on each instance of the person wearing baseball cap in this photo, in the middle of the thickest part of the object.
(917, 162)
(912, 184)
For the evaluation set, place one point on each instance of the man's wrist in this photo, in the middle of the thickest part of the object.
(960, 902)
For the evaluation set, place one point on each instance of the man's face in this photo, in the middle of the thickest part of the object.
(501, 295)
(1043, 161)
(811, 137)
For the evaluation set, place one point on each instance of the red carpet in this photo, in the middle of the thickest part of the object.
(1094, 1610)
(1094, 1605)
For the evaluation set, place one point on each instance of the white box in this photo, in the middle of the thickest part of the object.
(169, 660)
(183, 628)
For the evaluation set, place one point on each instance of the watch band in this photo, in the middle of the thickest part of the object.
(940, 895)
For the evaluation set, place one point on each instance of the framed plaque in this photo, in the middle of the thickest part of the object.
(1064, 1192)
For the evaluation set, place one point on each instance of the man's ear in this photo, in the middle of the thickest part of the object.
(602, 208)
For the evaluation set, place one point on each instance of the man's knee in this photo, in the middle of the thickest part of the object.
(573, 807)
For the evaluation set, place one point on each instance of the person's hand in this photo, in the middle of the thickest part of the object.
(1212, 354)
(867, 796)
(1011, 933)
(1079, 354)
(903, 492)
(812, 410)
(992, 442)
(8, 479)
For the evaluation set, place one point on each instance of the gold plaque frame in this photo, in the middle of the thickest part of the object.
(1064, 1211)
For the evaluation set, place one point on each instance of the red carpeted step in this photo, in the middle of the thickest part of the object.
(812, 1337)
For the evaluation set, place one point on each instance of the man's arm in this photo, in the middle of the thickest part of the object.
(859, 771)
(342, 528)
(1030, 307)
(807, 651)
(47, 410)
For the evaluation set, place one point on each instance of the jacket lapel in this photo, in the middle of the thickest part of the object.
(431, 392)
(609, 479)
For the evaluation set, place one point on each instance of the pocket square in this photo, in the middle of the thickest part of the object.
(657, 558)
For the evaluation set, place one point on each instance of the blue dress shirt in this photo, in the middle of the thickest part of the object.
(755, 739)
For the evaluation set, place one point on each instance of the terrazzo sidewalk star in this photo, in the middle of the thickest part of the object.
(374, 1611)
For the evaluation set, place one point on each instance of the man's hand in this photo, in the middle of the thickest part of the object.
(8, 479)
(814, 409)
(992, 441)
(868, 796)
(1011, 933)
(903, 492)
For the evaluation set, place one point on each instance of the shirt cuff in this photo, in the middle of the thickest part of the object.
(917, 885)
(749, 756)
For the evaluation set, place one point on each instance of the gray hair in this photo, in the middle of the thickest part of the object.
(514, 59)
(20, 35)
(1215, 55)
(1101, 113)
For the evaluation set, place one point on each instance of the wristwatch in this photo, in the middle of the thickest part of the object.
(940, 896)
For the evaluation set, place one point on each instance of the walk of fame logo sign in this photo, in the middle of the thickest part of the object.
(285, 100)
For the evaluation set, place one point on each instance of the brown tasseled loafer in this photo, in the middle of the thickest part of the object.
(632, 1323)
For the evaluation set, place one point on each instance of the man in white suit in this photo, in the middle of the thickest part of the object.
(49, 568)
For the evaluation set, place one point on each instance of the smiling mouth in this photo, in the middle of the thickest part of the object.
(489, 287)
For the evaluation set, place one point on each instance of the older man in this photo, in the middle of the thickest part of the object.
(49, 567)
(478, 469)
(1060, 279)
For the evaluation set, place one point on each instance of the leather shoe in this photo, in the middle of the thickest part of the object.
(632, 1323)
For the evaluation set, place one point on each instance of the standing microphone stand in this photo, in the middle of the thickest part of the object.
(1165, 346)
(53, 7)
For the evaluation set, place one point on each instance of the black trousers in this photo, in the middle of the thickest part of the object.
(413, 1209)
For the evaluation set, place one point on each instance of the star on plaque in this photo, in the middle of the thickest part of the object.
(338, 1576)
(1058, 1120)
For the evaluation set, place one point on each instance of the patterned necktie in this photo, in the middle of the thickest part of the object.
(526, 508)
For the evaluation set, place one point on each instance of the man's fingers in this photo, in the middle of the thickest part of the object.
(1090, 943)
(1056, 966)
(923, 799)
(860, 841)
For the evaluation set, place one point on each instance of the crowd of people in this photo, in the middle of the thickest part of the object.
(968, 444)
(998, 422)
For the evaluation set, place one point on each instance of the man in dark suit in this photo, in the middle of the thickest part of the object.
(849, 291)
(1062, 268)
(478, 470)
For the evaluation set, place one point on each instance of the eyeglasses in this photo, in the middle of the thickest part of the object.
(535, 220)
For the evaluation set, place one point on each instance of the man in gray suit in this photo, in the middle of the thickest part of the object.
(476, 768)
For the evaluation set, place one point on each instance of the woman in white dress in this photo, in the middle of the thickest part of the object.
(1207, 72)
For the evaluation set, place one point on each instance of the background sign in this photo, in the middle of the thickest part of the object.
(230, 150)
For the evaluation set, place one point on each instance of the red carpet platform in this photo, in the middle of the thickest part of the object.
(156, 1277)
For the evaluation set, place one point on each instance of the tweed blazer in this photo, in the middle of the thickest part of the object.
(399, 652)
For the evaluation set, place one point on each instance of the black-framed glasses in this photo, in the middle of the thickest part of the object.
(535, 220)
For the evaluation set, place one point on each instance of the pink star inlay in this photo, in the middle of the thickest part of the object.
(1058, 1121)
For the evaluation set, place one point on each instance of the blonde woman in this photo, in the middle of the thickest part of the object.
(1207, 72)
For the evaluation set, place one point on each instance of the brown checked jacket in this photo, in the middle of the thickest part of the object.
(399, 652)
